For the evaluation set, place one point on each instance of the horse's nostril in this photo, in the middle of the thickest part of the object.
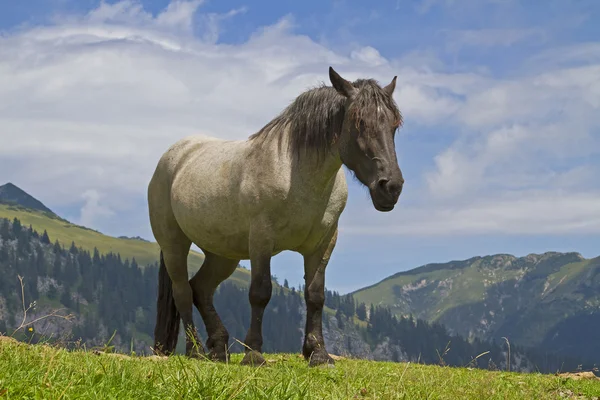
(382, 183)
(395, 188)
(391, 188)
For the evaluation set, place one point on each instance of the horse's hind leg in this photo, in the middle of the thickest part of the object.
(176, 264)
(214, 270)
(175, 299)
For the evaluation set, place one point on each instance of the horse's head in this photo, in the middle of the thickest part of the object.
(366, 141)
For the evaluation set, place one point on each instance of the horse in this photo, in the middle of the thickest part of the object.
(281, 189)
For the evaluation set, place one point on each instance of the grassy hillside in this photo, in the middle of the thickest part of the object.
(41, 371)
(502, 295)
(66, 232)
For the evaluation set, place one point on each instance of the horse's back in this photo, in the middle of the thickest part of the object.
(196, 186)
(170, 176)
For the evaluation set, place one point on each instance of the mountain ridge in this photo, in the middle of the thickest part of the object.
(430, 267)
(528, 299)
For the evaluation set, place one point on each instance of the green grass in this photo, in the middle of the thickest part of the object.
(65, 232)
(41, 371)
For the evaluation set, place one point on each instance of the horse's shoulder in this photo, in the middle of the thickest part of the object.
(340, 187)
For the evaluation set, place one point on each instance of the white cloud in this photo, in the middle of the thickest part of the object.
(213, 23)
(540, 95)
(92, 209)
(566, 55)
(368, 55)
(529, 213)
(177, 16)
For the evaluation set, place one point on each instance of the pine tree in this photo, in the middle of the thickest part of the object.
(361, 312)
(4, 253)
(45, 239)
(96, 258)
(16, 227)
(65, 298)
(57, 268)
(5, 231)
(57, 249)
(340, 318)
(52, 292)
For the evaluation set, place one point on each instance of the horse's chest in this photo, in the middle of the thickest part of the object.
(308, 219)
(294, 226)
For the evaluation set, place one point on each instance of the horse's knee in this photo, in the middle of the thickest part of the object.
(315, 298)
(260, 293)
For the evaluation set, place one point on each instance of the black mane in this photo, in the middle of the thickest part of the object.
(315, 117)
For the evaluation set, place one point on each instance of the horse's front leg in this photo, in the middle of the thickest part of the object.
(260, 293)
(314, 293)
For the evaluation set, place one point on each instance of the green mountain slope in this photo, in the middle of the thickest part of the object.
(65, 232)
(537, 300)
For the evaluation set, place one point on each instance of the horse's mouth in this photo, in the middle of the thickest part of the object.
(383, 207)
(381, 202)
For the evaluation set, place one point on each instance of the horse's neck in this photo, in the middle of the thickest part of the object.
(315, 169)
(319, 171)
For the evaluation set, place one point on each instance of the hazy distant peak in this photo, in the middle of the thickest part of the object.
(12, 194)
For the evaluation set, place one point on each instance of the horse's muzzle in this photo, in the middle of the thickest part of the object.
(385, 194)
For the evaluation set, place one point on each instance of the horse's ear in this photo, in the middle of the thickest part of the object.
(342, 86)
(389, 89)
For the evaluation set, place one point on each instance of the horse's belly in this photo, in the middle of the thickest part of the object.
(228, 233)
(215, 233)
(210, 234)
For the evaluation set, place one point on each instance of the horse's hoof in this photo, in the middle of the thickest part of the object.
(218, 356)
(321, 360)
(195, 352)
(253, 358)
(195, 355)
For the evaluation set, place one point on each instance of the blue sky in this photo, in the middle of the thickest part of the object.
(501, 101)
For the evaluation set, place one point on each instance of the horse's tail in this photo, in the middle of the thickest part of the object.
(166, 330)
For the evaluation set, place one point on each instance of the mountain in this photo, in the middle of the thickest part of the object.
(134, 238)
(11, 194)
(549, 301)
(15, 203)
(112, 302)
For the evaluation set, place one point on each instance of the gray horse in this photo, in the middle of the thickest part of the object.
(282, 189)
